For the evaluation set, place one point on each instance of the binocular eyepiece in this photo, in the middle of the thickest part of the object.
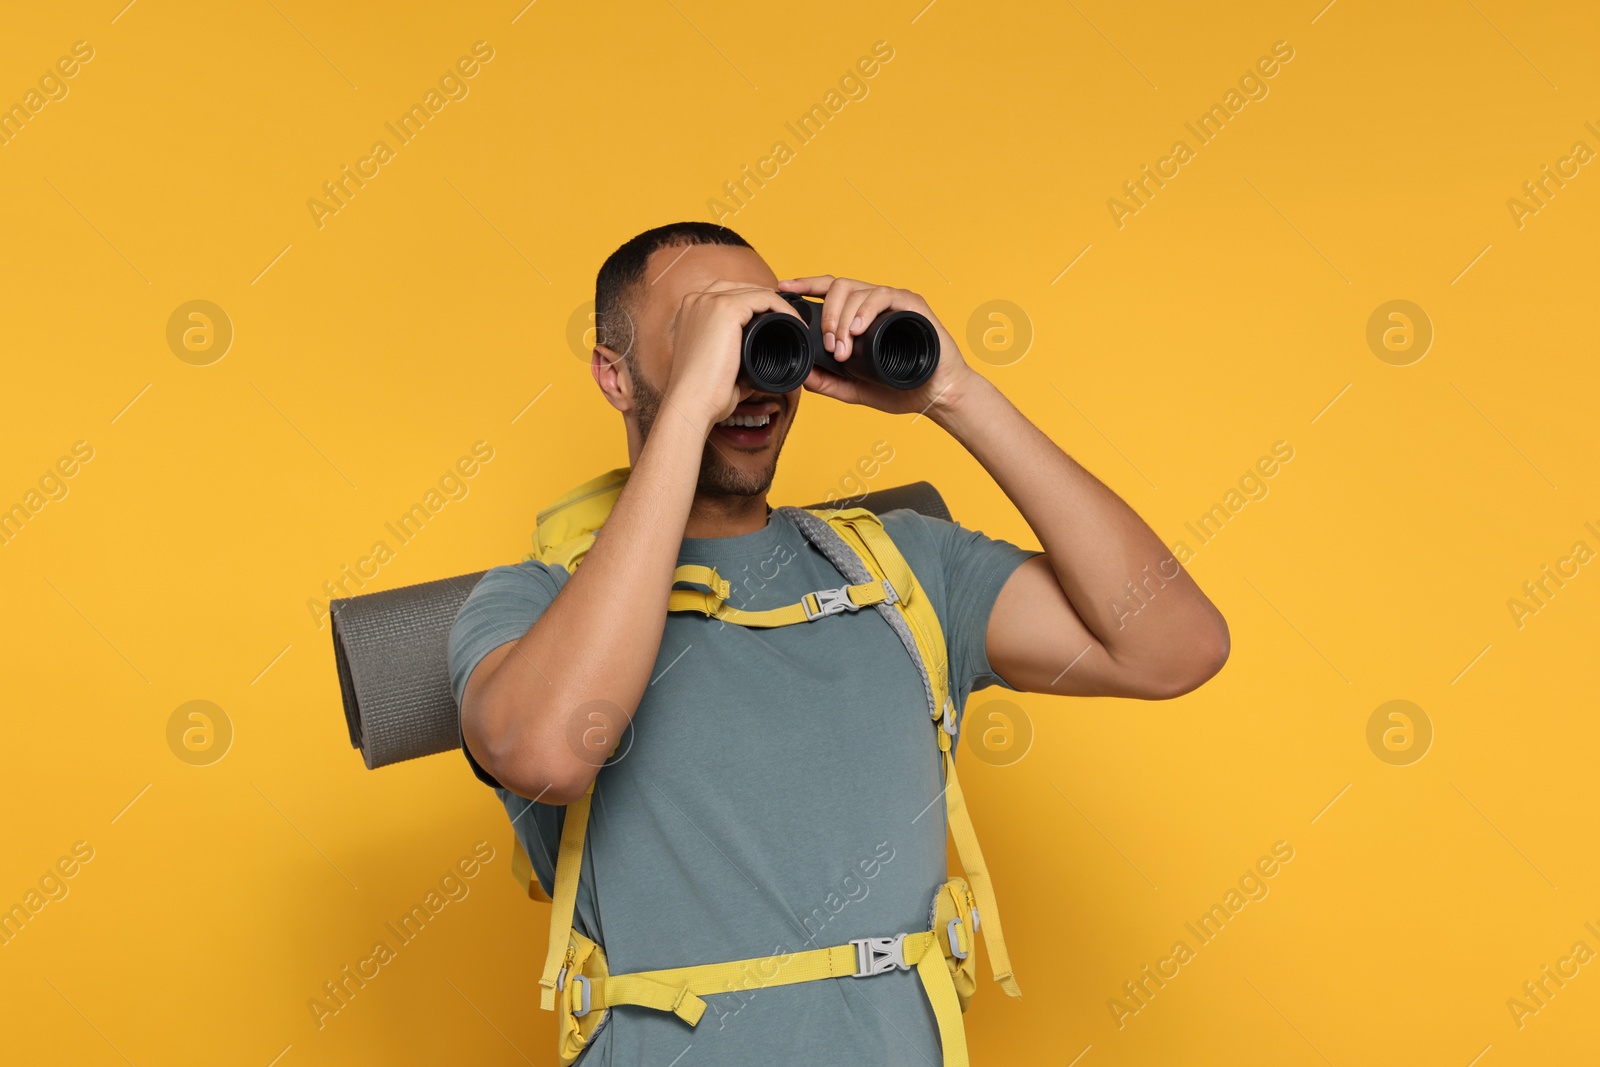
(899, 349)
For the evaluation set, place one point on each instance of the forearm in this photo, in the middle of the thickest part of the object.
(1106, 559)
(591, 652)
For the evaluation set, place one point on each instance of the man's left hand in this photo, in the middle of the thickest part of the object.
(848, 308)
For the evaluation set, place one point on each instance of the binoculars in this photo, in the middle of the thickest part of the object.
(899, 349)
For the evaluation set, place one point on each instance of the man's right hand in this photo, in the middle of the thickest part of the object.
(707, 339)
(528, 699)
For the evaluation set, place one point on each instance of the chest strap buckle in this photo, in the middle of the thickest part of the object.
(834, 601)
(828, 602)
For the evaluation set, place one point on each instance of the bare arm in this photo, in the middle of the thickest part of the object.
(526, 711)
(1107, 611)
(542, 713)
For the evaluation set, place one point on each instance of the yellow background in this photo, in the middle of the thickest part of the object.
(1228, 314)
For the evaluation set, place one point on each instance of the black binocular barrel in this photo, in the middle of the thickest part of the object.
(776, 356)
(899, 349)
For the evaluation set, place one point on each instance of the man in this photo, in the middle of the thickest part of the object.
(773, 790)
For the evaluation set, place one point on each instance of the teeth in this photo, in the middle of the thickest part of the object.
(751, 421)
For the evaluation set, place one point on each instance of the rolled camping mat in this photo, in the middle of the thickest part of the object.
(391, 648)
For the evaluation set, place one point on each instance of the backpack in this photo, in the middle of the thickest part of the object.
(575, 975)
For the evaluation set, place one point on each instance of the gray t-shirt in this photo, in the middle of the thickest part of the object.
(779, 790)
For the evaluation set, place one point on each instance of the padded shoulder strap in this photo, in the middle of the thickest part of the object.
(839, 536)
(862, 534)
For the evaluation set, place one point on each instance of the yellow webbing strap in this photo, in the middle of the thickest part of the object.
(714, 605)
(940, 990)
(706, 576)
(569, 863)
(972, 862)
(522, 869)
(679, 989)
(569, 859)
(863, 531)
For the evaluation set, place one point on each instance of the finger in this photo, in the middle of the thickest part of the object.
(770, 300)
(851, 322)
(735, 289)
(831, 385)
(875, 303)
(720, 292)
(837, 293)
(815, 285)
(852, 391)
(845, 343)
(753, 300)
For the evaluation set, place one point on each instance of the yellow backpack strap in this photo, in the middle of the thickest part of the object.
(567, 532)
(569, 863)
(977, 870)
(814, 605)
(863, 532)
(522, 870)
(680, 989)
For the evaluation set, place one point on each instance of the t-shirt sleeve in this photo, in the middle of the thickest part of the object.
(502, 607)
(969, 569)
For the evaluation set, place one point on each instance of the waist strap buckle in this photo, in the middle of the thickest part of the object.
(879, 955)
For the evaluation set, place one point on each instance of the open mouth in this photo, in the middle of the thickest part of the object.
(752, 423)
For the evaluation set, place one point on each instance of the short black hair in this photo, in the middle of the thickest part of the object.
(622, 272)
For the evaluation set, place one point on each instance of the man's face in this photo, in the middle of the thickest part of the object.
(737, 461)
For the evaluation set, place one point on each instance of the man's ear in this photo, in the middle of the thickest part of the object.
(610, 372)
